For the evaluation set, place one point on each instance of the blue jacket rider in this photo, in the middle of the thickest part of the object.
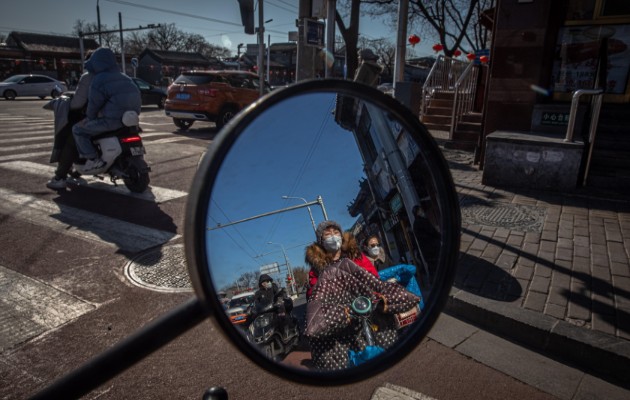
(111, 94)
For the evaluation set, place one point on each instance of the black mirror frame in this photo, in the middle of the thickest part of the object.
(195, 228)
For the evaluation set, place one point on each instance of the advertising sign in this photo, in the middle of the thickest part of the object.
(314, 32)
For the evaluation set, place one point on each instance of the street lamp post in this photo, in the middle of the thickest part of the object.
(289, 270)
(310, 214)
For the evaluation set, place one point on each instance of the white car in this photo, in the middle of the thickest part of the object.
(31, 85)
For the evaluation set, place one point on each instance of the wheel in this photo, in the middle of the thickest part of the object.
(225, 116)
(160, 103)
(10, 95)
(137, 179)
(183, 124)
(43, 97)
(268, 350)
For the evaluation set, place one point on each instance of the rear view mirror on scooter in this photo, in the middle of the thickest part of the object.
(317, 151)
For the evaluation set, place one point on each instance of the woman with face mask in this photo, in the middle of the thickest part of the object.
(342, 274)
(375, 252)
(333, 244)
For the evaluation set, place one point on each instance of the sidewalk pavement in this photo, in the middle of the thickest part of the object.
(548, 270)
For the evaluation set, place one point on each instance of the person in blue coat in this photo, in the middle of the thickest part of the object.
(111, 95)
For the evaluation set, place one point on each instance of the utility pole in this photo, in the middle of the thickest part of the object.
(399, 62)
(330, 37)
(305, 54)
(261, 47)
(122, 45)
(98, 19)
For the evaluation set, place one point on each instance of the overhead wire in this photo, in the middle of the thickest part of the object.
(303, 167)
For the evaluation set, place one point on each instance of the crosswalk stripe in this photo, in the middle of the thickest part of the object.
(26, 147)
(12, 157)
(27, 139)
(82, 224)
(154, 193)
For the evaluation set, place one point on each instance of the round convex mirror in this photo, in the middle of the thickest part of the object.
(305, 170)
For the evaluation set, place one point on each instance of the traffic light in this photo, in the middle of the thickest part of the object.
(247, 15)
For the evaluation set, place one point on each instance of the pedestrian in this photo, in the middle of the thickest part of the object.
(111, 95)
(335, 333)
(330, 246)
(375, 252)
(64, 148)
(369, 70)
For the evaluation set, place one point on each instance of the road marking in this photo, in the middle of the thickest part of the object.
(26, 146)
(22, 156)
(170, 140)
(82, 224)
(27, 139)
(30, 308)
(154, 193)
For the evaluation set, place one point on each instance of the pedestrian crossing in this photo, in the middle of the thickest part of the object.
(25, 147)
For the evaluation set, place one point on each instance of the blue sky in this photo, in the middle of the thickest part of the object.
(294, 149)
(217, 20)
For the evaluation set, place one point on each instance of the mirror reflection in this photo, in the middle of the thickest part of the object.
(323, 232)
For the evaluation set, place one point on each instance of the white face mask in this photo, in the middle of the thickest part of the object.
(374, 251)
(266, 285)
(332, 243)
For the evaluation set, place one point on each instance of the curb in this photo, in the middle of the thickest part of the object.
(598, 353)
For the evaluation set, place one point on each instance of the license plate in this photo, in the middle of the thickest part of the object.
(137, 150)
(182, 96)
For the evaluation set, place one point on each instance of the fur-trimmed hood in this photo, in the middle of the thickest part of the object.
(318, 259)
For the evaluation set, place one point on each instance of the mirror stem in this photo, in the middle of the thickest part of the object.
(126, 353)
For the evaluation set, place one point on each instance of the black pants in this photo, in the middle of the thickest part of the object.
(69, 152)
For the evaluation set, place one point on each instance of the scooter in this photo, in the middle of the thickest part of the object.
(123, 153)
(362, 308)
(274, 335)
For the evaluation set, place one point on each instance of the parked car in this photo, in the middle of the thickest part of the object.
(31, 85)
(150, 94)
(214, 96)
(240, 308)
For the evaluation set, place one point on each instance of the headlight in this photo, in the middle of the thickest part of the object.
(262, 321)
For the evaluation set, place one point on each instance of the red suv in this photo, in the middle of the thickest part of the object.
(214, 96)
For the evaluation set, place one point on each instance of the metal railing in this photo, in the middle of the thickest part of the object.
(442, 77)
(465, 92)
(596, 106)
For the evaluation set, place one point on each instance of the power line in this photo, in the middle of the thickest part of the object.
(175, 12)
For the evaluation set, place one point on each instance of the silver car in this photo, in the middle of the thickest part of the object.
(31, 85)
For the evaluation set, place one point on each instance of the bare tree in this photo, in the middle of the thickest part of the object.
(452, 23)
(384, 49)
(166, 37)
(90, 30)
(136, 42)
(349, 32)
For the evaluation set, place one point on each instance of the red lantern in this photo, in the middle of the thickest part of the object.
(457, 53)
(414, 40)
(470, 56)
(483, 59)
(437, 47)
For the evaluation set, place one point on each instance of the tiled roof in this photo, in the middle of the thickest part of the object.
(36, 42)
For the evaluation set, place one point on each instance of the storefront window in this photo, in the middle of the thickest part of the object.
(577, 57)
(579, 10)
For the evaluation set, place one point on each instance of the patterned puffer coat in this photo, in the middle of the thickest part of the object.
(330, 330)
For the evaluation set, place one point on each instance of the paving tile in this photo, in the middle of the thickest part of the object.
(555, 310)
(540, 284)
